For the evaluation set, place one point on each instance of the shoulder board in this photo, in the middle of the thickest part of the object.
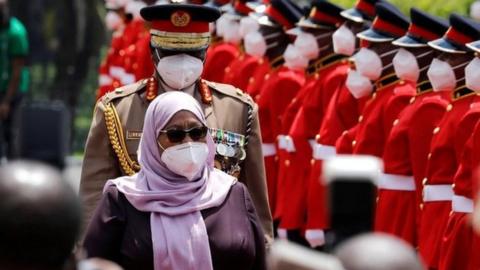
(230, 90)
(123, 91)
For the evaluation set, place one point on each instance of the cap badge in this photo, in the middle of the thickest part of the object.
(180, 19)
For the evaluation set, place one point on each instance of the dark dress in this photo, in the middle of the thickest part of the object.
(121, 233)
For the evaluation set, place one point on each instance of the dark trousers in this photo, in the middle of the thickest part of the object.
(6, 128)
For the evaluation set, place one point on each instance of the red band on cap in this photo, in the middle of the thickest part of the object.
(420, 32)
(323, 17)
(384, 26)
(242, 8)
(365, 7)
(456, 36)
(278, 17)
(192, 27)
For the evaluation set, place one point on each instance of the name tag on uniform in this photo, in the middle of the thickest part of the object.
(134, 134)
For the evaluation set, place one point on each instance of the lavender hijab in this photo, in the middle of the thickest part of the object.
(179, 235)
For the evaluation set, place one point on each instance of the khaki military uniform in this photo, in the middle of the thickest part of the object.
(112, 143)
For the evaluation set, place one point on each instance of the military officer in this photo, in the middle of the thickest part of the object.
(179, 38)
(407, 145)
(447, 74)
(340, 114)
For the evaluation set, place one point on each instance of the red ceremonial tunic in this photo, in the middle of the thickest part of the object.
(275, 95)
(242, 70)
(443, 161)
(405, 158)
(341, 114)
(107, 81)
(307, 121)
(218, 58)
(458, 235)
(287, 119)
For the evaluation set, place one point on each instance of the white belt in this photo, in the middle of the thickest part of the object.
(323, 152)
(268, 149)
(104, 80)
(396, 182)
(285, 142)
(437, 193)
(116, 71)
(462, 204)
(312, 143)
(127, 78)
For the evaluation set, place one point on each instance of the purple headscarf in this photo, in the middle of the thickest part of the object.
(179, 235)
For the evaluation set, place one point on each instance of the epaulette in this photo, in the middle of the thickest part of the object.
(123, 91)
(231, 91)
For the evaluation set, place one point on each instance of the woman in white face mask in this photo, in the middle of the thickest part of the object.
(178, 212)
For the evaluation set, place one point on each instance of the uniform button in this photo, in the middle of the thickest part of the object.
(453, 186)
(287, 163)
(424, 181)
(429, 156)
(227, 69)
(401, 82)
(266, 76)
(257, 97)
(374, 95)
(294, 100)
(449, 107)
(412, 100)
(312, 162)
(377, 199)
(360, 118)
(396, 122)
(251, 80)
(344, 132)
(239, 92)
(421, 206)
(436, 130)
(354, 142)
(316, 76)
(260, 61)
(317, 137)
(276, 158)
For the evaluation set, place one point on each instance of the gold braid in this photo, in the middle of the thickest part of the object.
(115, 134)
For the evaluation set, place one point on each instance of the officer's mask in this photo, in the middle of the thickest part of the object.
(408, 63)
(447, 71)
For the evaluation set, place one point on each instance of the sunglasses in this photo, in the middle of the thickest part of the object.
(177, 135)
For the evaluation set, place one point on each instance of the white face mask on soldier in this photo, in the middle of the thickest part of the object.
(369, 63)
(442, 76)
(406, 66)
(307, 45)
(294, 59)
(187, 159)
(255, 44)
(343, 41)
(358, 85)
(472, 75)
(180, 70)
(248, 25)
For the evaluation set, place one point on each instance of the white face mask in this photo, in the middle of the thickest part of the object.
(231, 33)
(180, 70)
(248, 25)
(221, 24)
(113, 21)
(472, 75)
(187, 159)
(343, 41)
(307, 45)
(358, 85)
(255, 44)
(406, 65)
(294, 59)
(475, 10)
(441, 75)
(368, 63)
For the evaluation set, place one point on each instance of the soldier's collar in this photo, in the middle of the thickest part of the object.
(152, 92)
(424, 87)
(386, 81)
(461, 92)
(324, 63)
(277, 62)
